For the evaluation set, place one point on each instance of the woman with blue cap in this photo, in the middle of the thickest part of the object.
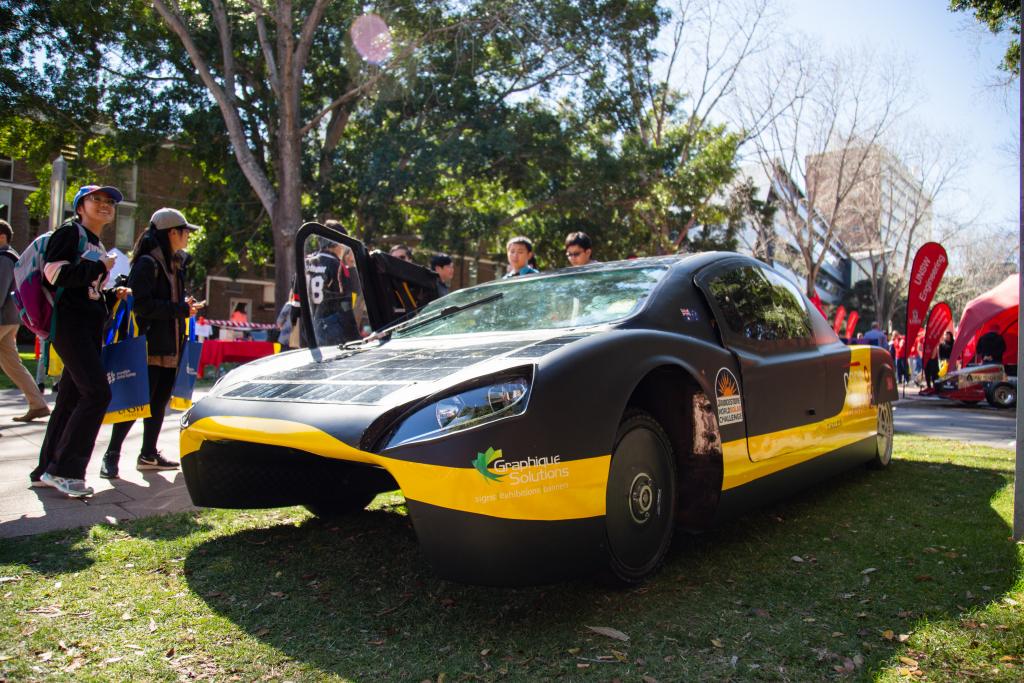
(77, 262)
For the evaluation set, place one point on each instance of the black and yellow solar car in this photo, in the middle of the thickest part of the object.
(547, 425)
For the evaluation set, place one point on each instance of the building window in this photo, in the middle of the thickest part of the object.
(5, 203)
(7, 169)
(125, 238)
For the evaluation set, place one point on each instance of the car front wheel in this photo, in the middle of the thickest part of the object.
(640, 499)
(883, 436)
(1003, 395)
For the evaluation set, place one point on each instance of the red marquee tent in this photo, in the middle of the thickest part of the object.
(996, 307)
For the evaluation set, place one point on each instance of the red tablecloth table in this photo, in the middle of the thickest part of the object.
(216, 352)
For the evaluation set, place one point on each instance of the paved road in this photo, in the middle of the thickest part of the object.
(981, 424)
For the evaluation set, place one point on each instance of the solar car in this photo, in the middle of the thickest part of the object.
(544, 426)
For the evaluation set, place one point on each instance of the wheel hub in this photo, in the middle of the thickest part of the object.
(641, 498)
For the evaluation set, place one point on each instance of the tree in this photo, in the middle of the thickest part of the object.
(813, 120)
(671, 116)
(999, 16)
(287, 84)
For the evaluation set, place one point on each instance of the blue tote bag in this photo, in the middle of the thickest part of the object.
(125, 362)
(185, 381)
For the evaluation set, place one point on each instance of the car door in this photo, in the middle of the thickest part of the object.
(764, 322)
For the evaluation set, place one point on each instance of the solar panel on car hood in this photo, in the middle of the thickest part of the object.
(369, 376)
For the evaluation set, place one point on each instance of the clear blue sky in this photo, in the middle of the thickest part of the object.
(955, 63)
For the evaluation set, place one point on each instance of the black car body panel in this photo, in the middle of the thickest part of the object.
(520, 496)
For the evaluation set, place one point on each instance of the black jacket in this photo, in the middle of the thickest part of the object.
(81, 275)
(160, 318)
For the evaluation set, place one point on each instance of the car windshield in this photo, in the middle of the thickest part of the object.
(571, 299)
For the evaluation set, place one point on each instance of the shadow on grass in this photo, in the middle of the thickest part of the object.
(71, 550)
(788, 591)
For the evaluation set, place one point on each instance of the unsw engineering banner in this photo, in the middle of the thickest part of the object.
(851, 324)
(938, 321)
(929, 264)
(840, 314)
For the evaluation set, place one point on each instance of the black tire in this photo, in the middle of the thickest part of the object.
(883, 437)
(347, 503)
(1002, 395)
(640, 500)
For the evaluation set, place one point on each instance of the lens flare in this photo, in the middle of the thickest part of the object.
(372, 38)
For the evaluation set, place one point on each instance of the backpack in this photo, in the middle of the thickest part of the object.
(36, 303)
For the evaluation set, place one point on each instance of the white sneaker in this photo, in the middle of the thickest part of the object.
(74, 488)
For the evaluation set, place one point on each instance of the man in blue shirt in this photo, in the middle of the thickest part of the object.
(876, 337)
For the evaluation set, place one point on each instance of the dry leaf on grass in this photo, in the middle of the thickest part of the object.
(609, 632)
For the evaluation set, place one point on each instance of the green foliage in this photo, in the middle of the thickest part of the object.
(999, 16)
(508, 118)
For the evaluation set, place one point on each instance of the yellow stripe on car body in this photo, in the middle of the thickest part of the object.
(572, 489)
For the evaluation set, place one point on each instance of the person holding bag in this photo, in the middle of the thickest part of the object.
(76, 264)
(157, 281)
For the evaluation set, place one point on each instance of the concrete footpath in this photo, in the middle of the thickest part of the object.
(25, 510)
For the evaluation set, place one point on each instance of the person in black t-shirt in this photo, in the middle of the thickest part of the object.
(77, 261)
(330, 287)
(991, 347)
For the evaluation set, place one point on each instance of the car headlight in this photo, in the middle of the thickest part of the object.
(502, 397)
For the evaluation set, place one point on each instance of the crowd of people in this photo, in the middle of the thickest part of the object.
(335, 291)
(76, 269)
(910, 364)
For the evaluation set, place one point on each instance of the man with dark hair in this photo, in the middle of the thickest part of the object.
(400, 251)
(444, 267)
(10, 361)
(578, 248)
(990, 347)
(519, 250)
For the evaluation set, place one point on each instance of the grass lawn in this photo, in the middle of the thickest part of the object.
(905, 574)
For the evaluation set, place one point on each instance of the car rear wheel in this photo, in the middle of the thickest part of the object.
(1003, 395)
(883, 437)
(640, 499)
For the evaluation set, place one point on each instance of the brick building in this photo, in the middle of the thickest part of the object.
(167, 180)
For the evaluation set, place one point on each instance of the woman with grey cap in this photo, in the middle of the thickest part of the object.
(157, 281)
